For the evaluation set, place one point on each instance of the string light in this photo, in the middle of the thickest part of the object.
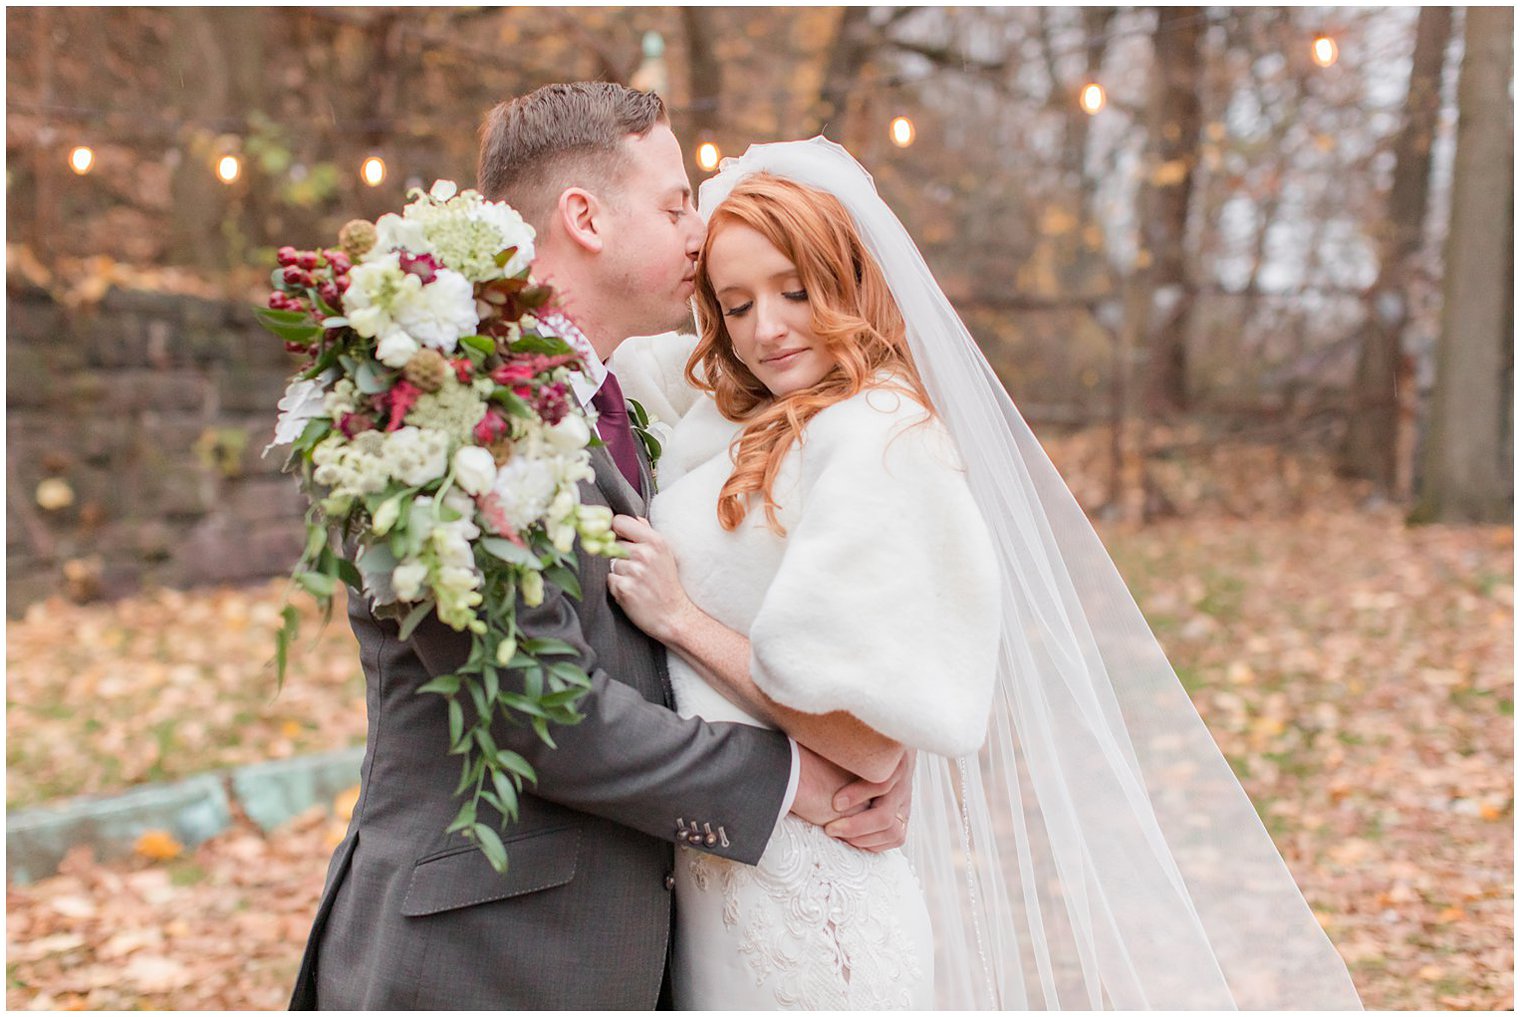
(1093, 98)
(903, 132)
(373, 171)
(708, 156)
(82, 159)
(228, 168)
(1324, 50)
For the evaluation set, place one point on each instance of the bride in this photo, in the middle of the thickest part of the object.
(858, 540)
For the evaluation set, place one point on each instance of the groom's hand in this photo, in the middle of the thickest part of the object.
(884, 825)
(819, 783)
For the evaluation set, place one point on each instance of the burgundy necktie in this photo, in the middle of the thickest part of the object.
(612, 424)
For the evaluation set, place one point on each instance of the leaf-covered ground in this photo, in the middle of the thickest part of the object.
(1356, 672)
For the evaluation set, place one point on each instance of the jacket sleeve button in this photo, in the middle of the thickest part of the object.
(670, 881)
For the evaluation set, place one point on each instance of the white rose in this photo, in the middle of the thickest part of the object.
(394, 233)
(396, 349)
(570, 434)
(439, 313)
(443, 190)
(407, 579)
(474, 469)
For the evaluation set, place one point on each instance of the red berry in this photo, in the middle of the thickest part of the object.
(295, 276)
(307, 260)
(339, 261)
(291, 347)
(277, 300)
(329, 294)
(286, 255)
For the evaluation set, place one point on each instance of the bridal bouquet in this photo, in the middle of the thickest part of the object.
(432, 429)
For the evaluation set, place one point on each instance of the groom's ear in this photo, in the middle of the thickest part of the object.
(579, 211)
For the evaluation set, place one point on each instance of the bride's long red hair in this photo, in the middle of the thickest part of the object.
(853, 313)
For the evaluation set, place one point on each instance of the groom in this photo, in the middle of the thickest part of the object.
(412, 917)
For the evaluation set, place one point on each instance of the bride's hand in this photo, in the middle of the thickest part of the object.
(646, 584)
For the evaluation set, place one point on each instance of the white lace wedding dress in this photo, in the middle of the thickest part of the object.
(881, 600)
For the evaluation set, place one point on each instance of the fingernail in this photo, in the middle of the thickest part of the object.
(841, 802)
(831, 829)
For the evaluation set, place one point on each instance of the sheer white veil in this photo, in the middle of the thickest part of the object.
(1098, 851)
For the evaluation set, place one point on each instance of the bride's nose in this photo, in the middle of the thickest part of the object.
(769, 326)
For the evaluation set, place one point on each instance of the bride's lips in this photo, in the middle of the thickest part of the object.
(783, 358)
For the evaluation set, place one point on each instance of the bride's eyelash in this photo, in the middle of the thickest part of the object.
(734, 312)
(797, 295)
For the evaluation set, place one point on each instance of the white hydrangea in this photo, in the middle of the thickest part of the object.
(454, 409)
(344, 398)
(351, 468)
(416, 456)
(462, 229)
(521, 494)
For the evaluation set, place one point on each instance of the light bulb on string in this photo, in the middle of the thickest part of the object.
(373, 171)
(82, 159)
(229, 168)
(1093, 98)
(902, 132)
(708, 156)
(1324, 50)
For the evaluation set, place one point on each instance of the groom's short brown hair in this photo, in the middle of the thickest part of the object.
(565, 135)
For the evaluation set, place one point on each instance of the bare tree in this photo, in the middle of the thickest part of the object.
(1383, 374)
(1174, 123)
(1467, 475)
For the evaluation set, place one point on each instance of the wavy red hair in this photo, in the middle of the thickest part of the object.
(853, 312)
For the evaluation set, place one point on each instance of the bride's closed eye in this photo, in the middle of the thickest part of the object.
(738, 312)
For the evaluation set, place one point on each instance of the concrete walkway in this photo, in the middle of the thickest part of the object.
(193, 810)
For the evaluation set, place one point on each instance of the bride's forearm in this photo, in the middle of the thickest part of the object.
(721, 656)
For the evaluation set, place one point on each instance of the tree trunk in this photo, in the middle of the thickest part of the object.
(1468, 476)
(1174, 123)
(1384, 375)
(852, 47)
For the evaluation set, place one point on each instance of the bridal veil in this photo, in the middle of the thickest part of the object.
(1098, 852)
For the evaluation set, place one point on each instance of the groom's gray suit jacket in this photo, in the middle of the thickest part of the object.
(412, 918)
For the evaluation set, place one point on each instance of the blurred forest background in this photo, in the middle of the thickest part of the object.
(1247, 271)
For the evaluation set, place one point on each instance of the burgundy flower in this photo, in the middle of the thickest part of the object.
(355, 423)
(338, 260)
(552, 404)
(296, 276)
(424, 266)
(307, 260)
(403, 396)
(287, 255)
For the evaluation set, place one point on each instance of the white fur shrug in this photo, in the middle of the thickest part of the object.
(881, 600)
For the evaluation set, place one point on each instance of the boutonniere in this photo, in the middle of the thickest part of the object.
(643, 426)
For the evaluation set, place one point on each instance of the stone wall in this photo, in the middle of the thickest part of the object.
(133, 433)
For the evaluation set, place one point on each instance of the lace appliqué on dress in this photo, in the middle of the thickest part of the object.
(819, 919)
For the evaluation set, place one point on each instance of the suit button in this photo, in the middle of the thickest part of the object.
(670, 881)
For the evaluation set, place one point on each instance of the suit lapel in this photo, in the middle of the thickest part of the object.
(620, 495)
